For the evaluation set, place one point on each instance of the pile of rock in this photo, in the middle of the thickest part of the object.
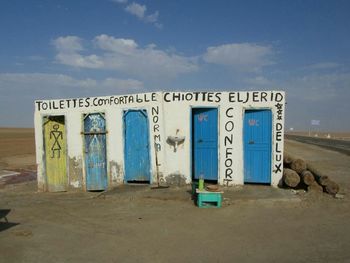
(299, 174)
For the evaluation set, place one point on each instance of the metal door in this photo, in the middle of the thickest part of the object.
(136, 134)
(205, 143)
(55, 153)
(95, 151)
(257, 146)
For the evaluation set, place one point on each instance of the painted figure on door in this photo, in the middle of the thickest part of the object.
(56, 135)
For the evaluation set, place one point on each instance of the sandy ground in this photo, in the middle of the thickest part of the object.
(17, 149)
(137, 224)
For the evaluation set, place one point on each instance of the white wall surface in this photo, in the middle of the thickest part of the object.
(169, 114)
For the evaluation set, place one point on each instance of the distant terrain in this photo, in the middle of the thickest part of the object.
(17, 148)
(333, 135)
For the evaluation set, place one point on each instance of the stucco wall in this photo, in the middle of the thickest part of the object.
(169, 114)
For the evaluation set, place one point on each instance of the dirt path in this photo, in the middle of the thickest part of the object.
(136, 224)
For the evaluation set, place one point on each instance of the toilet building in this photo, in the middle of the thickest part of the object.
(96, 143)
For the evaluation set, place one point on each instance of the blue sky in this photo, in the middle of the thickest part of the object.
(60, 49)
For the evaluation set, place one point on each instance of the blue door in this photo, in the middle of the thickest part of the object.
(257, 146)
(95, 151)
(205, 143)
(136, 134)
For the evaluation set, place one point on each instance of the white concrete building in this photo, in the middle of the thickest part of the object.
(96, 143)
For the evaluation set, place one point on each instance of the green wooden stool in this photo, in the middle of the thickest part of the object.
(209, 199)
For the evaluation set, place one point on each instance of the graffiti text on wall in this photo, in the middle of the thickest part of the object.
(156, 127)
(228, 144)
(95, 102)
(278, 137)
(192, 96)
(255, 96)
(211, 97)
(241, 97)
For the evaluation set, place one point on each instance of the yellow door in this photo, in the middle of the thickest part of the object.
(55, 153)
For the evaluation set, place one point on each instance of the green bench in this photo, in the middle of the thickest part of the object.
(208, 199)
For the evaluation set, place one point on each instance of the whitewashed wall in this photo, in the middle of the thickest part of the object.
(169, 114)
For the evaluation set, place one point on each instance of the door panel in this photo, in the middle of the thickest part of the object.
(95, 151)
(55, 153)
(257, 146)
(205, 143)
(137, 158)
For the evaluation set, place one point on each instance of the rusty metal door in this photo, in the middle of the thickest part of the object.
(55, 153)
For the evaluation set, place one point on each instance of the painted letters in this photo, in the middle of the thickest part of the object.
(255, 96)
(192, 96)
(278, 134)
(156, 130)
(95, 102)
(228, 144)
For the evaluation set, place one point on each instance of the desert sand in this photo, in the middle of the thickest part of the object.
(137, 224)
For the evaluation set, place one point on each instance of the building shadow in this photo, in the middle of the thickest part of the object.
(4, 223)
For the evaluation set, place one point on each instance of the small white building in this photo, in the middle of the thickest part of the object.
(96, 143)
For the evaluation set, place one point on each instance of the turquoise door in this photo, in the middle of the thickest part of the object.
(137, 150)
(95, 151)
(257, 146)
(205, 143)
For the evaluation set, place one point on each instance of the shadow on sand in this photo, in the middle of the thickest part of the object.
(6, 224)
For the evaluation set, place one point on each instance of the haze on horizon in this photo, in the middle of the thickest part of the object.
(69, 49)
